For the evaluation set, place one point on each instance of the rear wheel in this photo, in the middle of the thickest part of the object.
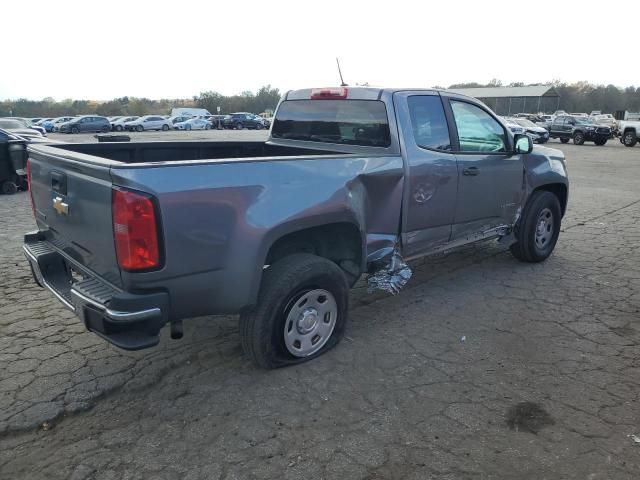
(578, 138)
(207, 127)
(564, 140)
(105, 129)
(259, 126)
(301, 312)
(8, 187)
(629, 139)
(539, 227)
(118, 128)
(239, 126)
(165, 127)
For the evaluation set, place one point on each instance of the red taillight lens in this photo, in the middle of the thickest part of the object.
(135, 230)
(33, 206)
(339, 93)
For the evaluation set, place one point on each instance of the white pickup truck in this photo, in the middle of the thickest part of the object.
(629, 132)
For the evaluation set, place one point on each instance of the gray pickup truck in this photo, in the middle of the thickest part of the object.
(352, 181)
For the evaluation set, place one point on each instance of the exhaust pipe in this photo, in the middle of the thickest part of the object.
(176, 330)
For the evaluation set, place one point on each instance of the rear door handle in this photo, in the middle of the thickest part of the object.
(470, 171)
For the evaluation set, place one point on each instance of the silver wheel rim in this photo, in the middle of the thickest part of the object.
(310, 322)
(544, 229)
(628, 138)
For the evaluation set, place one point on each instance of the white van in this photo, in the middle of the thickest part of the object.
(189, 112)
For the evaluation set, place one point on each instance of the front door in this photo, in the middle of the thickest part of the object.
(430, 196)
(490, 176)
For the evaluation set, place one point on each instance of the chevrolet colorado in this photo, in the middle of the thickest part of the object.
(352, 181)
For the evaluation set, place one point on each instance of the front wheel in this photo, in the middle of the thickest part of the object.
(564, 140)
(239, 126)
(139, 128)
(118, 128)
(578, 138)
(301, 312)
(75, 130)
(207, 127)
(629, 139)
(539, 227)
(105, 129)
(165, 127)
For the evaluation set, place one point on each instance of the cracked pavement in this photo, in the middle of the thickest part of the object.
(425, 384)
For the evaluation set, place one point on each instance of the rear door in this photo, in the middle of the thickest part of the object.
(490, 177)
(430, 199)
(72, 205)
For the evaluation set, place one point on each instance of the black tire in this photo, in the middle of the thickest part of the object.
(259, 126)
(139, 128)
(262, 329)
(8, 187)
(75, 130)
(207, 127)
(578, 138)
(526, 248)
(600, 143)
(165, 127)
(239, 126)
(118, 128)
(105, 129)
(564, 140)
(629, 138)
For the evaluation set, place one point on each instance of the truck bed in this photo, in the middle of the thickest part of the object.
(150, 152)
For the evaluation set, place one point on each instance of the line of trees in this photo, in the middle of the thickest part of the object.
(265, 99)
(575, 97)
(581, 96)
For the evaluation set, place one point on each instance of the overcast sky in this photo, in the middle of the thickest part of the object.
(160, 49)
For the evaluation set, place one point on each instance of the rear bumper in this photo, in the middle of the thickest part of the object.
(131, 321)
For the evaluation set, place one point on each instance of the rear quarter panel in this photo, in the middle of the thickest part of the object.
(220, 218)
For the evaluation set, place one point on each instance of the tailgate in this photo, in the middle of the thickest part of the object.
(72, 206)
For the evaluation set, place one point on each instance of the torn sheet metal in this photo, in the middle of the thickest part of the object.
(391, 277)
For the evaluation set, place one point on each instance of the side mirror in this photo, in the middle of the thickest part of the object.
(522, 143)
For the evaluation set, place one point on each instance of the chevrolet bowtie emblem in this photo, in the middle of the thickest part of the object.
(61, 207)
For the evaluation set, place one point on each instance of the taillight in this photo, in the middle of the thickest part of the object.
(33, 205)
(135, 229)
(338, 93)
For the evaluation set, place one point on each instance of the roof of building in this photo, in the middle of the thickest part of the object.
(504, 92)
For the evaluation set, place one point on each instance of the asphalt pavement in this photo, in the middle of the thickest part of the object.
(483, 368)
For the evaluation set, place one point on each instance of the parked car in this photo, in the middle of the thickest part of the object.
(537, 133)
(189, 112)
(513, 126)
(16, 127)
(54, 123)
(13, 158)
(148, 122)
(216, 121)
(41, 121)
(118, 124)
(86, 123)
(193, 124)
(241, 120)
(580, 129)
(27, 123)
(629, 132)
(178, 119)
(606, 119)
(279, 230)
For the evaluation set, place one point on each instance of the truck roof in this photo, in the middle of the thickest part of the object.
(356, 93)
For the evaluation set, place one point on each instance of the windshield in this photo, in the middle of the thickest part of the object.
(582, 120)
(353, 122)
(525, 123)
(11, 124)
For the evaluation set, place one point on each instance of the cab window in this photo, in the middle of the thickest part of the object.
(429, 122)
(477, 130)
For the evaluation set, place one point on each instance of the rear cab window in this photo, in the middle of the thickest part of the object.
(429, 122)
(350, 122)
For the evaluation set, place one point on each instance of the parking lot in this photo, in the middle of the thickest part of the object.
(483, 367)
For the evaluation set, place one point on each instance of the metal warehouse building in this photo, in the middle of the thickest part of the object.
(509, 100)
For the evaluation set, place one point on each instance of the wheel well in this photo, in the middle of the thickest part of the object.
(629, 129)
(560, 191)
(339, 242)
